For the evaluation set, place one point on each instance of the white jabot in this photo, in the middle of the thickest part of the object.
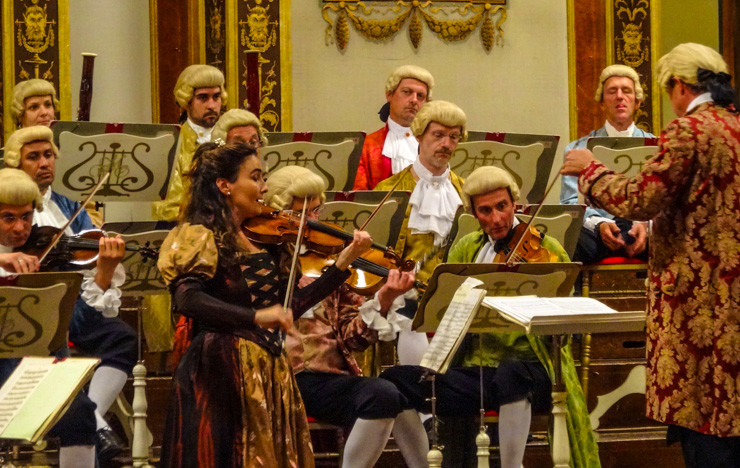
(434, 202)
(613, 132)
(400, 145)
(51, 215)
(700, 99)
(487, 253)
(203, 134)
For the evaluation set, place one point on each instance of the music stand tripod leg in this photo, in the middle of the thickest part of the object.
(434, 456)
(560, 444)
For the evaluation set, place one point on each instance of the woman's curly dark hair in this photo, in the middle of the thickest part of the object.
(206, 204)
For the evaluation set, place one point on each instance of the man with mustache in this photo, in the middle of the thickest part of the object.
(393, 147)
(436, 195)
(34, 103)
(95, 328)
(200, 93)
(602, 234)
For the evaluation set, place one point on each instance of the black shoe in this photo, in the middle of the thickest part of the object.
(107, 444)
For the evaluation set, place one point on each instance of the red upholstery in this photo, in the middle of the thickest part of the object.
(491, 414)
(620, 261)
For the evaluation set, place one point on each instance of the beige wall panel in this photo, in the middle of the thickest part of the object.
(521, 87)
(118, 31)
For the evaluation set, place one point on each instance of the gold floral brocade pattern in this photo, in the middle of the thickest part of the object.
(691, 189)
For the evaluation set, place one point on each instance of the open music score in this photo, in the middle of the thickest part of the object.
(37, 394)
(454, 325)
(563, 315)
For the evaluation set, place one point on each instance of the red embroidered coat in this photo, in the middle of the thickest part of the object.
(691, 189)
(374, 166)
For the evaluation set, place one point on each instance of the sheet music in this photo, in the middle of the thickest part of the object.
(454, 324)
(527, 309)
(19, 387)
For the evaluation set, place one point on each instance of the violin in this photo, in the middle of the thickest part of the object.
(367, 273)
(529, 249)
(278, 227)
(323, 240)
(79, 251)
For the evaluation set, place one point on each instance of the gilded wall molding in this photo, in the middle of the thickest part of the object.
(632, 32)
(36, 45)
(249, 40)
(449, 20)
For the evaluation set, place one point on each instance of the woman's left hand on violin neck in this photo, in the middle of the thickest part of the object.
(110, 254)
(360, 244)
(398, 283)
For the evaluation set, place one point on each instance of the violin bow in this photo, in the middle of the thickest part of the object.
(294, 265)
(531, 219)
(385, 198)
(77, 212)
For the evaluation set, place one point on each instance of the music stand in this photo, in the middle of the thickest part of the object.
(140, 158)
(142, 279)
(35, 311)
(541, 279)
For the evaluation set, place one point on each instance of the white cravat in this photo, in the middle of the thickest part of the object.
(613, 132)
(203, 134)
(51, 214)
(487, 253)
(400, 145)
(434, 202)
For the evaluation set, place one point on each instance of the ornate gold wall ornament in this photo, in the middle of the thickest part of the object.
(36, 34)
(37, 46)
(632, 40)
(371, 20)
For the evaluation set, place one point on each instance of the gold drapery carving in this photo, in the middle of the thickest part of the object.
(380, 21)
(632, 40)
(36, 46)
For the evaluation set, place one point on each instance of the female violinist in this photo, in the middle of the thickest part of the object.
(321, 342)
(234, 400)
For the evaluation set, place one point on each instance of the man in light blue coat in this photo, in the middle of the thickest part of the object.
(603, 235)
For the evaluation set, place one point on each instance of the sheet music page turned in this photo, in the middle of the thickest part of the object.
(454, 324)
(38, 392)
(527, 310)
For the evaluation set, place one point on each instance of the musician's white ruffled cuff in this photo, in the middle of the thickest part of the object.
(106, 302)
(387, 327)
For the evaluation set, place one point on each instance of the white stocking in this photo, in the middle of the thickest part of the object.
(411, 438)
(77, 456)
(106, 384)
(411, 347)
(513, 430)
(366, 442)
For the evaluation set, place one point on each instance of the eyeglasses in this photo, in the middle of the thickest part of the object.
(8, 218)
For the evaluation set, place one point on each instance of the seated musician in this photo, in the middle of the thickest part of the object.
(602, 234)
(200, 93)
(321, 342)
(393, 147)
(95, 328)
(515, 366)
(34, 103)
(19, 196)
(435, 198)
(239, 126)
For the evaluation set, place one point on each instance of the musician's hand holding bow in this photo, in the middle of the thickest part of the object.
(397, 283)
(576, 160)
(18, 262)
(110, 254)
(275, 316)
(360, 244)
(639, 232)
